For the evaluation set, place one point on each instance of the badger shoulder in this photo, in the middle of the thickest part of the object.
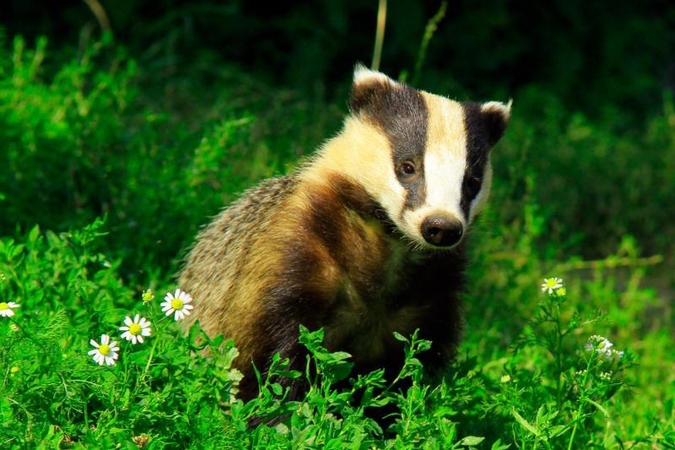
(230, 265)
(285, 253)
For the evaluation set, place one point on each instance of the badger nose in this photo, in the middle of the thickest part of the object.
(442, 231)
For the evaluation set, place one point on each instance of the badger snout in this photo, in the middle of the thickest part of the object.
(442, 231)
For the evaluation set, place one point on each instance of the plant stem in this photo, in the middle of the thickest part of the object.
(379, 34)
(152, 353)
(429, 31)
(559, 352)
(581, 403)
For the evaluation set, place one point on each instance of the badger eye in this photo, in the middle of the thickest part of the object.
(407, 169)
(473, 185)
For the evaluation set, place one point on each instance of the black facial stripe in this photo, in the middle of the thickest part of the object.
(402, 114)
(416, 191)
(407, 133)
(477, 152)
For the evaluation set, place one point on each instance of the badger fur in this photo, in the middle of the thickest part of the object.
(365, 239)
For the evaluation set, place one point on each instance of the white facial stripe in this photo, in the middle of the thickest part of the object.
(445, 158)
(443, 173)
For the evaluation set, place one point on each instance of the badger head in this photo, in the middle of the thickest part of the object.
(424, 158)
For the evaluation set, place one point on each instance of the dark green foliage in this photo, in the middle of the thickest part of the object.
(597, 180)
(615, 53)
(78, 145)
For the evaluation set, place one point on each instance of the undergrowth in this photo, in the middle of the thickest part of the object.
(559, 384)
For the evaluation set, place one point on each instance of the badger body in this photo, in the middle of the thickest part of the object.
(365, 239)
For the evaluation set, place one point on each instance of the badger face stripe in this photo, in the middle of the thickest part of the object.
(485, 124)
(401, 113)
(477, 153)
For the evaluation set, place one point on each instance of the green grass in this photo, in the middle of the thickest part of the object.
(119, 182)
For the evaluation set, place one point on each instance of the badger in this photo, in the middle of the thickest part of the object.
(366, 238)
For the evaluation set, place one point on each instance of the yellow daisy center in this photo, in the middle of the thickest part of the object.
(104, 349)
(551, 283)
(135, 329)
(3, 306)
(177, 304)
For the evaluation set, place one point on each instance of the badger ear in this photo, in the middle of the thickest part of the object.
(495, 117)
(368, 89)
(364, 74)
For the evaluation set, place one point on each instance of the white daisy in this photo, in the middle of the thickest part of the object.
(551, 285)
(178, 303)
(134, 330)
(105, 352)
(6, 308)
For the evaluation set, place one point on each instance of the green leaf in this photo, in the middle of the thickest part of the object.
(521, 420)
(599, 406)
(499, 446)
(34, 234)
(470, 441)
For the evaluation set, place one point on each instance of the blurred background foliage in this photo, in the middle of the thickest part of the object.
(593, 55)
(185, 99)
